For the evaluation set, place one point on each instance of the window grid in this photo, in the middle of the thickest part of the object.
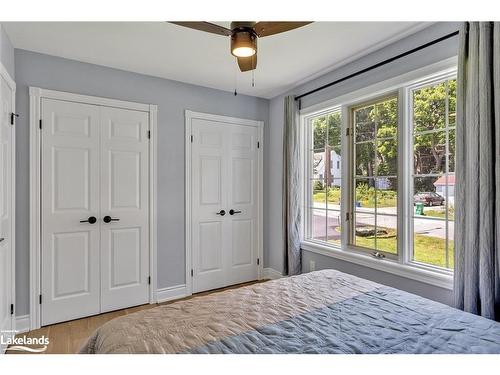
(375, 177)
(446, 130)
(324, 209)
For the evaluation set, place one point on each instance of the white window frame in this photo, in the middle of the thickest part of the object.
(306, 135)
(435, 80)
(351, 168)
(403, 264)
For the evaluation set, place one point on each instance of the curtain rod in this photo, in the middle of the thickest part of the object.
(435, 41)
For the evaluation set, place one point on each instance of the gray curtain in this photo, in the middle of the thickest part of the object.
(291, 189)
(477, 196)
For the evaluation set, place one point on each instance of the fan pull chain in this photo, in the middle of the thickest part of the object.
(235, 80)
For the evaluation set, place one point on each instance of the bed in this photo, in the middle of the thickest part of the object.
(319, 312)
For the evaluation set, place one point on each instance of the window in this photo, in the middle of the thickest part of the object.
(324, 149)
(433, 177)
(375, 175)
(393, 194)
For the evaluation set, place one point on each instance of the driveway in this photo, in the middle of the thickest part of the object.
(424, 226)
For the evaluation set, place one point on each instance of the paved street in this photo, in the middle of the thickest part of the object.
(364, 216)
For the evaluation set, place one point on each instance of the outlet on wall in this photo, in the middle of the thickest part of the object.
(312, 265)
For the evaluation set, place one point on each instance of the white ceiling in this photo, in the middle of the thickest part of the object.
(170, 51)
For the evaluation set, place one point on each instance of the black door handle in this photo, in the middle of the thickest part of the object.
(109, 219)
(221, 213)
(232, 212)
(90, 220)
(12, 116)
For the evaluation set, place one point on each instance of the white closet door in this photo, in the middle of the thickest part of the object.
(70, 199)
(242, 204)
(6, 207)
(124, 200)
(224, 178)
(209, 201)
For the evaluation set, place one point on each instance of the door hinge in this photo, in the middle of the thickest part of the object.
(149, 134)
(40, 124)
(347, 216)
(149, 280)
(258, 144)
(40, 299)
(348, 132)
(12, 115)
(11, 309)
(192, 138)
(258, 261)
(192, 272)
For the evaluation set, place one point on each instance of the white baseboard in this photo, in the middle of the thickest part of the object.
(171, 293)
(22, 323)
(271, 273)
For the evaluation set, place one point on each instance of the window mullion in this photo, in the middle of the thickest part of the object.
(345, 183)
(446, 160)
(375, 173)
(405, 168)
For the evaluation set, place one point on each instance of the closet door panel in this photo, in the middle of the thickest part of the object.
(124, 208)
(209, 197)
(70, 196)
(242, 199)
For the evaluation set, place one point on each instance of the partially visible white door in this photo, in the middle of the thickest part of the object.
(6, 210)
(224, 196)
(70, 211)
(124, 208)
(242, 202)
(209, 200)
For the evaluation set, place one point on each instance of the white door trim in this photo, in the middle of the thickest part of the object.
(189, 116)
(36, 94)
(10, 82)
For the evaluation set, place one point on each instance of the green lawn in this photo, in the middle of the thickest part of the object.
(334, 197)
(429, 250)
(440, 213)
(387, 202)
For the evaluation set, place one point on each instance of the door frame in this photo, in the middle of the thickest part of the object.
(12, 235)
(189, 116)
(36, 95)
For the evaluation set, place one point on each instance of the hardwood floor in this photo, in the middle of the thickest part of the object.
(68, 337)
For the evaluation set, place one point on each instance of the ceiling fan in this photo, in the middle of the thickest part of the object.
(244, 35)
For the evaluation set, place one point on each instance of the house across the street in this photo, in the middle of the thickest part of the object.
(441, 184)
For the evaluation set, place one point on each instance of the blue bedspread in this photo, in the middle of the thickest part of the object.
(384, 320)
(320, 312)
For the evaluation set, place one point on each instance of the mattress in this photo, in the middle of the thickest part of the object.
(319, 312)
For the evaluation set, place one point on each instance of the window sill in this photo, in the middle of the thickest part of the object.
(428, 276)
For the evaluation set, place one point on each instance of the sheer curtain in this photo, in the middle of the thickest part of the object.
(477, 196)
(291, 189)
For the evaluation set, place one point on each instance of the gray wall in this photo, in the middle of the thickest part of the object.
(429, 291)
(172, 98)
(273, 238)
(6, 52)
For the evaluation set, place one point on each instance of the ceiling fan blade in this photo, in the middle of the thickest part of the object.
(247, 63)
(266, 28)
(205, 26)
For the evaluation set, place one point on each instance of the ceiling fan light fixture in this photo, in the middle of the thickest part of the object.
(243, 44)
